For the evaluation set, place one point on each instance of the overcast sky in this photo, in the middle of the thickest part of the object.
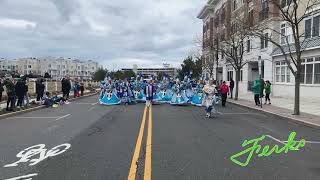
(117, 33)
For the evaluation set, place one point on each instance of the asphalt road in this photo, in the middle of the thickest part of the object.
(162, 143)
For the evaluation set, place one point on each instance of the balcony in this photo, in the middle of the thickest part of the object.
(264, 14)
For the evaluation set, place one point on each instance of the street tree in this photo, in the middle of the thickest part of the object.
(232, 48)
(205, 51)
(100, 74)
(189, 66)
(292, 42)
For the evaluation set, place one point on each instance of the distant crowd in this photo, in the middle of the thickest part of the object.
(18, 96)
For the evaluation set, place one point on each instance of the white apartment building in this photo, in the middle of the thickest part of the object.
(56, 67)
(8, 65)
(217, 23)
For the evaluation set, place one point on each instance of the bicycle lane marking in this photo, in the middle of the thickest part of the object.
(34, 155)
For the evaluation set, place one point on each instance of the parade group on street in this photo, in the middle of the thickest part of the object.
(206, 93)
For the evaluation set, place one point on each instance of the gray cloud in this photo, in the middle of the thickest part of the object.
(118, 33)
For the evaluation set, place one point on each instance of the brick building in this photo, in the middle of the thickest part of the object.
(220, 19)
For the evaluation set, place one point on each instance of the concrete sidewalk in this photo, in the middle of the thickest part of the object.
(310, 109)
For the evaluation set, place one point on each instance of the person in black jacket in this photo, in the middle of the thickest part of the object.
(231, 87)
(65, 87)
(39, 89)
(20, 92)
(81, 88)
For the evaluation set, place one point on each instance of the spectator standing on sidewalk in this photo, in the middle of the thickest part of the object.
(1, 89)
(64, 87)
(267, 90)
(76, 89)
(39, 89)
(257, 92)
(231, 87)
(26, 94)
(68, 87)
(10, 93)
(20, 92)
(81, 88)
(224, 89)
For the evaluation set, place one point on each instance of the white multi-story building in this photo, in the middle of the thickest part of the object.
(217, 16)
(8, 65)
(56, 67)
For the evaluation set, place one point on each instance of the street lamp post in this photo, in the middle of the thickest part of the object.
(260, 78)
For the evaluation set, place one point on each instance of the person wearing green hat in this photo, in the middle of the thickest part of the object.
(256, 91)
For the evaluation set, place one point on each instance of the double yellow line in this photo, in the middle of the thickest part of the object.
(147, 168)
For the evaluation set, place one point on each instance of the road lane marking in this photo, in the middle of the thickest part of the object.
(94, 103)
(310, 142)
(35, 117)
(62, 117)
(285, 142)
(25, 177)
(240, 114)
(147, 167)
(275, 139)
(133, 167)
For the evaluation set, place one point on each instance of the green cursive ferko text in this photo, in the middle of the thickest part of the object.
(255, 148)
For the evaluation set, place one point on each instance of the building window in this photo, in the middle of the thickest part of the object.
(312, 26)
(282, 72)
(230, 74)
(29, 66)
(234, 4)
(286, 33)
(248, 45)
(317, 71)
(307, 27)
(310, 71)
(264, 41)
(25, 66)
(49, 65)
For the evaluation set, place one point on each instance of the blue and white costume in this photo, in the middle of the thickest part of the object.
(109, 95)
(179, 97)
(197, 97)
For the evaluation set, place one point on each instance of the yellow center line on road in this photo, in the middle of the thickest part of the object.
(133, 167)
(147, 167)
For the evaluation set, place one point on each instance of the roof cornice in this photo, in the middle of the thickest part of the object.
(205, 10)
(209, 7)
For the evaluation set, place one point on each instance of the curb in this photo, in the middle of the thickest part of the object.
(7, 115)
(299, 121)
